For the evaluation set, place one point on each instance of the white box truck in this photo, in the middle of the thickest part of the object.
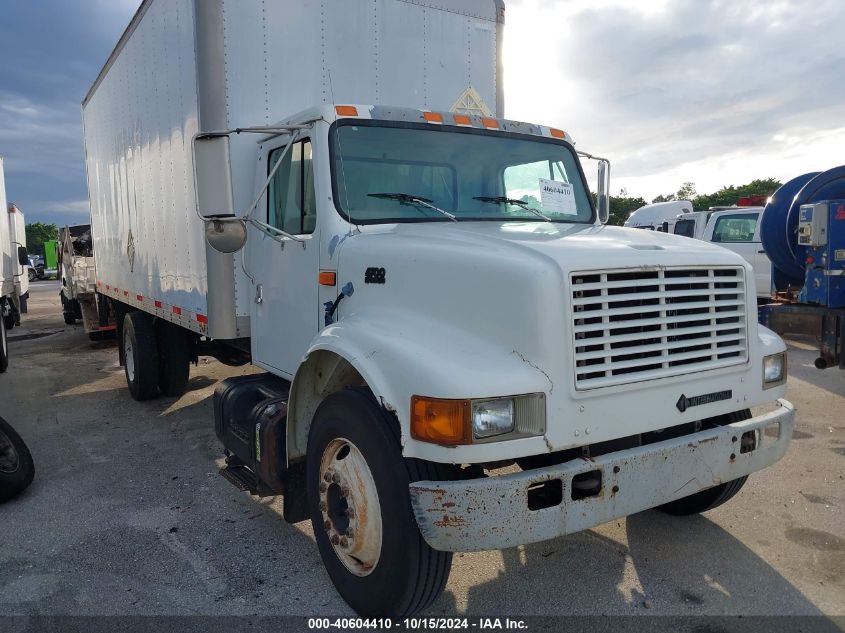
(429, 286)
(14, 268)
(78, 279)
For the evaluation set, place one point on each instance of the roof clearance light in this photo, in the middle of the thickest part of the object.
(433, 117)
(557, 133)
(463, 119)
(346, 110)
(492, 124)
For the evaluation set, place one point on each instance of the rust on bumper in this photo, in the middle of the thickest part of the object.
(493, 512)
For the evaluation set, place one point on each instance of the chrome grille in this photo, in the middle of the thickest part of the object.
(649, 324)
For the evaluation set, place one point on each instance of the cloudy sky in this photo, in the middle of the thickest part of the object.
(711, 91)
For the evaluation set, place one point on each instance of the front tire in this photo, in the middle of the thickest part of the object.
(140, 352)
(16, 466)
(711, 497)
(357, 486)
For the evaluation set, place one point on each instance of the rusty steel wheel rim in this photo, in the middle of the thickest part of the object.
(350, 507)
(9, 461)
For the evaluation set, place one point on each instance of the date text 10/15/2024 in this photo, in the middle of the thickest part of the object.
(417, 624)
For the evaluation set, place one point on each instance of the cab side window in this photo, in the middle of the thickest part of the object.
(735, 228)
(291, 201)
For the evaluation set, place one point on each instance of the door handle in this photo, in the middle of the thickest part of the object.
(762, 252)
(259, 294)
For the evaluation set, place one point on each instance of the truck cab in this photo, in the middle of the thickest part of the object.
(659, 216)
(738, 230)
(451, 273)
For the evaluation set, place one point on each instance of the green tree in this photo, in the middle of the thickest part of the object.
(687, 191)
(730, 195)
(37, 233)
(666, 198)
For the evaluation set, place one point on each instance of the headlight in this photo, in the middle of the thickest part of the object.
(492, 417)
(774, 370)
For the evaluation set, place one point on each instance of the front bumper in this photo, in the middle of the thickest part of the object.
(493, 513)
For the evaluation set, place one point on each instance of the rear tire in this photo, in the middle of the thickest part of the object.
(140, 352)
(4, 347)
(9, 322)
(16, 466)
(711, 497)
(174, 359)
(394, 572)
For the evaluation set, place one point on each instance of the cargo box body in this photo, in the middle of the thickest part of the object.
(17, 235)
(185, 66)
(8, 256)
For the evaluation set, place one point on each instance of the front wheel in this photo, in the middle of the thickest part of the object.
(16, 466)
(357, 486)
(711, 497)
(31, 274)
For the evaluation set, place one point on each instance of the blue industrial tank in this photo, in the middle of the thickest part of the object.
(779, 227)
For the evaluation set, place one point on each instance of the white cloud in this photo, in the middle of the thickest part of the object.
(718, 92)
(72, 206)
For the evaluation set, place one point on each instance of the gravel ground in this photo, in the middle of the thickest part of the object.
(128, 516)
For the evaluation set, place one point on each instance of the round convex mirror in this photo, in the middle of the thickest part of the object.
(225, 236)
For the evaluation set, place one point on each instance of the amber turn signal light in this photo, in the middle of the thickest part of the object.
(328, 278)
(446, 422)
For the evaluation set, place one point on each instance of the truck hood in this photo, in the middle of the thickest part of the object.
(571, 246)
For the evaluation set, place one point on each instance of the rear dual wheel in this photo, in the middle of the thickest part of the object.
(4, 347)
(157, 357)
(357, 487)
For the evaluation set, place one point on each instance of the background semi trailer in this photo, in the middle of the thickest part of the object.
(13, 276)
(428, 286)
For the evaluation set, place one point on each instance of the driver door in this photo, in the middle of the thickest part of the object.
(285, 270)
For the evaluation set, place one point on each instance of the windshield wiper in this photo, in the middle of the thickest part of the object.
(520, 203)
(406, 198)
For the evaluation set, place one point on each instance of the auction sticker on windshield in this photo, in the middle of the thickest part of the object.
(557, 197)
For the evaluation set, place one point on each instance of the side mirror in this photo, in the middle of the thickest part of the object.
(604, 190)
(23, 256)
(213, 177)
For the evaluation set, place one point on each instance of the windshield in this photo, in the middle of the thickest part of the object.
(387, 173)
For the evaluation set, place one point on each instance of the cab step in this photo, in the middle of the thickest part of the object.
(240, 477)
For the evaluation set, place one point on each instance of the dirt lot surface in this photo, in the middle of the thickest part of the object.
(128, 515)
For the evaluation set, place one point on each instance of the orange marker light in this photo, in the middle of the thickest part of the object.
(433, 117)
(557, 133)
(328, 278)
(493, 124)
(462, 119)
(346, 110)
(446, 422)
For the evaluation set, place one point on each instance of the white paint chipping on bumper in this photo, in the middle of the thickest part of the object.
(492, 513)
